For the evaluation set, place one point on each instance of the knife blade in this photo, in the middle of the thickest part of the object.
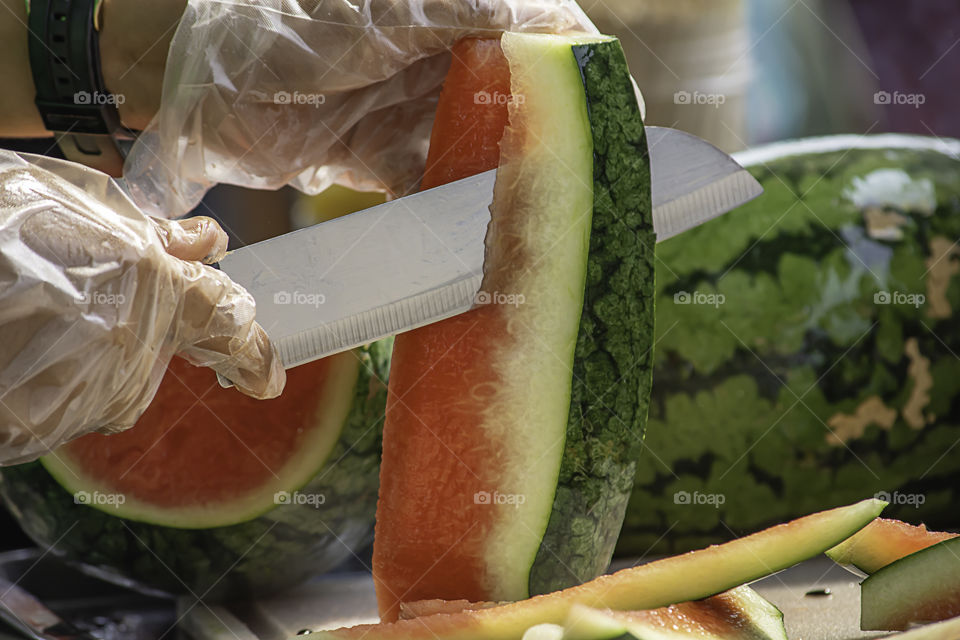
(419, 259)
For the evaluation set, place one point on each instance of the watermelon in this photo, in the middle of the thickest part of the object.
(946, 630)
(691, 576)
(512, 431)
(214, 493)
(806, 347)
(738, 614)
(884, 541)
(921, 587)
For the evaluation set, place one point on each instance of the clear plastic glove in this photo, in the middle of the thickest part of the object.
(264, 93)
(95, 298)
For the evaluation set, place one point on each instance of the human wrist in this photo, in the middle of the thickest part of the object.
(134, 40)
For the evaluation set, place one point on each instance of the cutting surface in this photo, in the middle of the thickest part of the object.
(819, 600)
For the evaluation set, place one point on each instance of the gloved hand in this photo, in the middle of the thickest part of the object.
(95, 298)
(264, 93)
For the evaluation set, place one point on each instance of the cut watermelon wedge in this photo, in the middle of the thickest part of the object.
(921, 587)
(884, 541)
(216, 493)
(409, 610)
(512, 431)
(946, 630)
(738, 614)
(691, 576)
(202, 457)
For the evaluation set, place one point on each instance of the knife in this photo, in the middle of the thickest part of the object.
(419, 259)
(24, 612)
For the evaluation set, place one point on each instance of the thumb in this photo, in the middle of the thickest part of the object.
(216, 329)
(199, 238)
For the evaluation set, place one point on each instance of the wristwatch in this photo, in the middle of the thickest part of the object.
(71, 97)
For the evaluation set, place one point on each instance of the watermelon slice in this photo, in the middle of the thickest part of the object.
(202, 457)
(419, 608)
(691, 576)
(512, 431)
(738, 614)
(222, 495)
(212, 491)
(883, 541)
(946, 630)
(921, 587)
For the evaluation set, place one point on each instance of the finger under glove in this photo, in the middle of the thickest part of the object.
(216, 316)
(199, 238)
(95, 298)
(217, 330)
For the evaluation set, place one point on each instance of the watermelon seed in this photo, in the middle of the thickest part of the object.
(818, 593)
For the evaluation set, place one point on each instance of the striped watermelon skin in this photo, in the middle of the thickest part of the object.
(807, 348)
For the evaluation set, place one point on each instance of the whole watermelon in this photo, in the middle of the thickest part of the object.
(807, 347)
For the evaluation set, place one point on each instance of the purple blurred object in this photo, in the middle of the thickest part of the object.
(915, 50)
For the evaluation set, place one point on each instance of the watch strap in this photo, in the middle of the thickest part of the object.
(71, 97)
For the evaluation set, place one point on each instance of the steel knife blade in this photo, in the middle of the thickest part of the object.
(419, 259)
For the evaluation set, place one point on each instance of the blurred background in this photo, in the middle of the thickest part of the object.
(735, 72)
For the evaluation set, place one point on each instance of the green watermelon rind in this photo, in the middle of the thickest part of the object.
(921, 584)
(612, 369)
(713, 399)
(279, 548)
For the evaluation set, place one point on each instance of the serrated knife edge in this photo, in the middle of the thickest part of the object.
(354, 331)
(683, 213)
